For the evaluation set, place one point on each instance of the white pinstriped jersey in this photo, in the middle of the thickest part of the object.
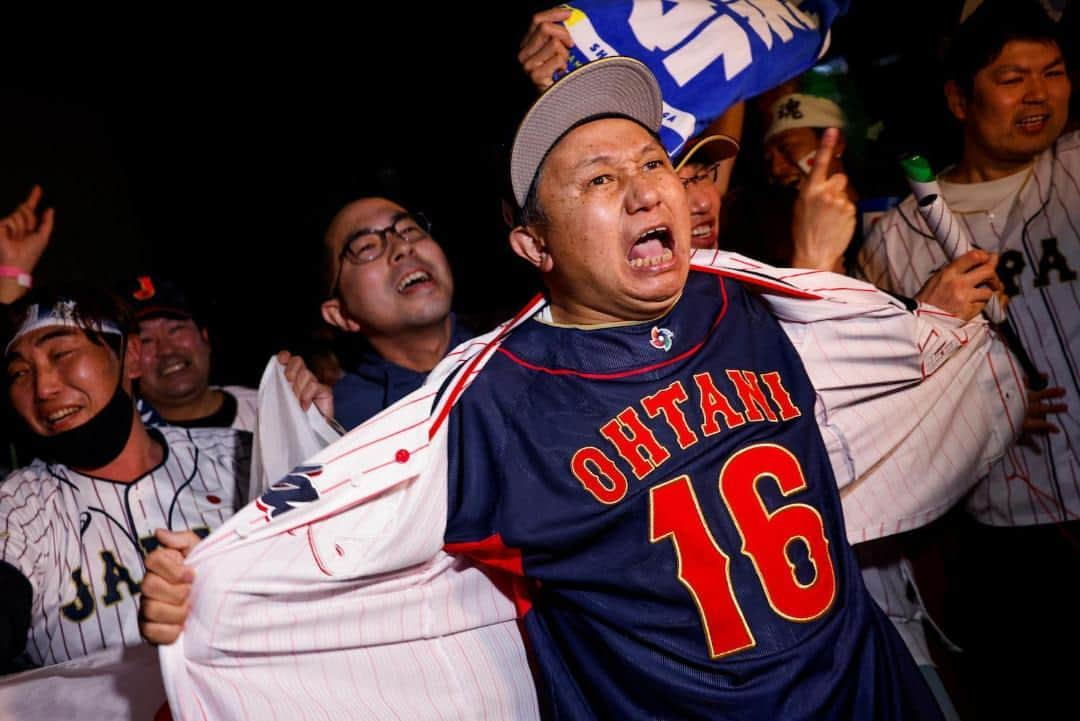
(81, 540)
(1037, 233)
(247, 407)
(330, 596)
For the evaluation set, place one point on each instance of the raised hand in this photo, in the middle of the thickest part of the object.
(545, 48)
(305, 385)
(823, 220)
(24, 236)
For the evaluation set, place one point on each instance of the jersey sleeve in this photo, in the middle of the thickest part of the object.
(23, 532)
(913, 407)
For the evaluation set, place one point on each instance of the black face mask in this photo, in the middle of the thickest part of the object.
(94, 443)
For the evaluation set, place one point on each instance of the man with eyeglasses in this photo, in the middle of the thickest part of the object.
(704, 171)
(389, 282)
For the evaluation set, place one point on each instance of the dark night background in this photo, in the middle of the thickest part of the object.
(213, 148)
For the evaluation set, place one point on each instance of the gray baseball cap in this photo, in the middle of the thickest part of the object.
(616, 85)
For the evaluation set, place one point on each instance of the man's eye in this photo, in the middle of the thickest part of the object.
(654, 164)
(17, 373)
(600, 180)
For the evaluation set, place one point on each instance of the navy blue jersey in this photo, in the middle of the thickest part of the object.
(665, 493)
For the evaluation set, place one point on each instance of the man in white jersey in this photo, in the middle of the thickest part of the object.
(1017, 189)
(174, 366)
(76, 524)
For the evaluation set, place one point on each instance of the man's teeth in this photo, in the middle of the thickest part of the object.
(653, 233)
(173, 368)
(701, 231)
(57, 416)
(417, 276)
(1033, 120)
(663, 257)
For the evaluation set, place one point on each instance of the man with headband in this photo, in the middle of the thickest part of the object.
(78, 521)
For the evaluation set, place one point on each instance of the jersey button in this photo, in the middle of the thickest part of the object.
(402, 456)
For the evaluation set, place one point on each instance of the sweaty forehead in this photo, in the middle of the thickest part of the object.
(605, 139)
(43, 337)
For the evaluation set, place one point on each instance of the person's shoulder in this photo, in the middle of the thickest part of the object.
(242, 393)
(892, 220)
(205, 439)
(1069, 145)
(23, 489)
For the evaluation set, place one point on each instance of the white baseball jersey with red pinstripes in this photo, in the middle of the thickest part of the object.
(1037, 233)
(81, 540)
(345, 605)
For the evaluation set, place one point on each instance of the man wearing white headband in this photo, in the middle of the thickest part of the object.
(77, 522)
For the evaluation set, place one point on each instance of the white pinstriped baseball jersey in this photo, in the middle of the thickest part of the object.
(247, 406)
(81, 540)
(1037, 233)
(330, 596)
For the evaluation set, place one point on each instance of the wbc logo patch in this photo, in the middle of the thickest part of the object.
(661, 338)
(293, 490)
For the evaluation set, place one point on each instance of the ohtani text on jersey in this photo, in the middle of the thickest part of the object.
(761, 398)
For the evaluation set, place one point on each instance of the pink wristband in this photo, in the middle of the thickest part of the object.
(21, 276)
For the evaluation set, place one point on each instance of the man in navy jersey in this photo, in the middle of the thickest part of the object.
(643, 454)
(648, 458)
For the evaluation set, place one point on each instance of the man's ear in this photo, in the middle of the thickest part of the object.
(132, 352)
(956, 100)
(335, 315)
(530, 245)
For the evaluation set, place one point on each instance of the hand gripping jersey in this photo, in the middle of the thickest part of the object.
(1037, 234)
(81, 540)
(331, 596)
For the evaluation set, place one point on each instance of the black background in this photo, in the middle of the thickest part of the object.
(213, 148)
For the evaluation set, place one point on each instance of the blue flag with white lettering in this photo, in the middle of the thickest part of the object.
(705, 55)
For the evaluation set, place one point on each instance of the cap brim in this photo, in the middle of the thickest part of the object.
(712, 148)
(615, 85)
(162, 311)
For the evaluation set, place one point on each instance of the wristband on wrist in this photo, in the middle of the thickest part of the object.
(21, 276)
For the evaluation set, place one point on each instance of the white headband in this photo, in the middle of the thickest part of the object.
(61, 315)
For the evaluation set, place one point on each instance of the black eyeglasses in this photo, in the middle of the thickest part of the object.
(710, 173)
(369, 244)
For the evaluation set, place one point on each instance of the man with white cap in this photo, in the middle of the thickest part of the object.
(796, 124)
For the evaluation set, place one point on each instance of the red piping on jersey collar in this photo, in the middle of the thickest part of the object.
(633, 371)
(464, 376)
(749, 277)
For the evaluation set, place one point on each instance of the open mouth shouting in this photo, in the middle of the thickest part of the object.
(653, 249)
